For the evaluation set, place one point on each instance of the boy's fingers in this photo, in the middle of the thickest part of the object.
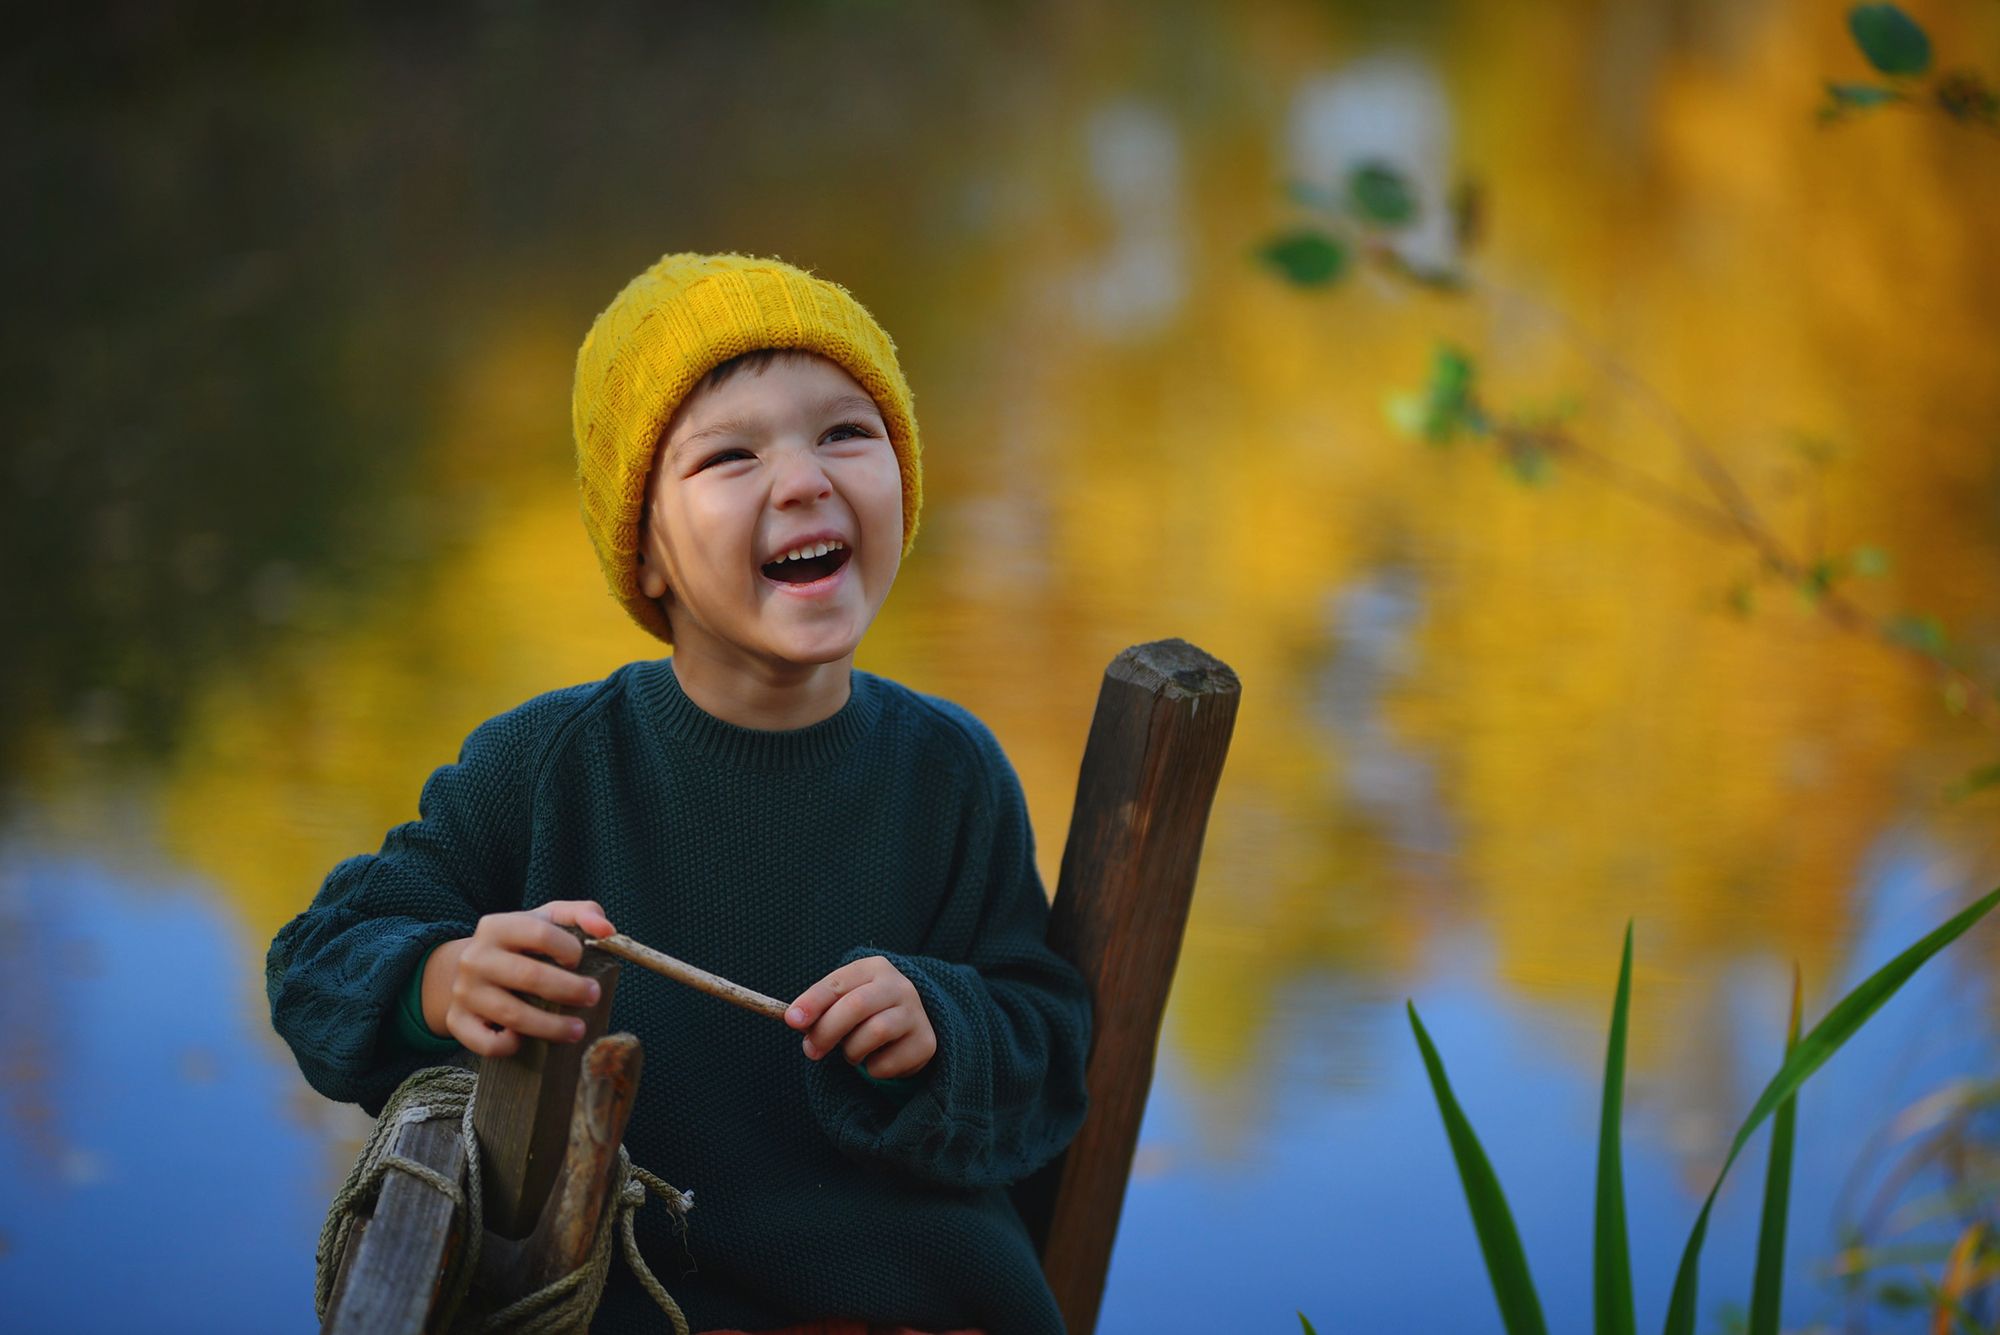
(815, 1000)
(585, 913)
(879, 1029)
(906, 1056)
(841, 1018)
(501, 1007)
(518, 973)
(477, 1037)
(529, 931)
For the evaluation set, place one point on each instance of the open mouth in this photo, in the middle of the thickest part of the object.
(807, 569)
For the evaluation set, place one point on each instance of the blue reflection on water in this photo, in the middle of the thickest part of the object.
(1350, 1209)
(154, 1179)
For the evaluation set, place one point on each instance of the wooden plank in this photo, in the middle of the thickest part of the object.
(522, 1110)
(561, 1240)
(389, 1277)
(1148, 778)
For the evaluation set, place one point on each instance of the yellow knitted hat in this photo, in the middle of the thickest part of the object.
(671, 326)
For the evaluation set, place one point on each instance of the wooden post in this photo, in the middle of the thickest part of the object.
(1149, 773)
(562, 1237)
(522, 1111)
(389, 1273)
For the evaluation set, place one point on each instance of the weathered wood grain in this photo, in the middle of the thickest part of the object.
(1148, 778)
(388, 1279)
(522, 1110)
(561, 1239)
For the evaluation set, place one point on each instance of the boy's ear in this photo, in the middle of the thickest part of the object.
(652, 580)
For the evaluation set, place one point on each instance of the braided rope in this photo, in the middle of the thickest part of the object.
(438, 1092)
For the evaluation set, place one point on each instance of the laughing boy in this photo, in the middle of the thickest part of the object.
(751, 479)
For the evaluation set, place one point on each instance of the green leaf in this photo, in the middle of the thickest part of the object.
(1381, 195)
(1506, 1263)
(1860, 96)
(1768, 1290)
(1306, 1326)
(1611, 1289)
(1447, 398)
(1812, 1052)
(1891, 39)
(1451, 376)
(1986, 776)
(1922, 633)
(1305, 258)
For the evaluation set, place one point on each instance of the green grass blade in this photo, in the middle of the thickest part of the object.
(1812, 1052)
(1612, 1276)
(1305, 1326)
(1767, 1293)
(1506, 1263)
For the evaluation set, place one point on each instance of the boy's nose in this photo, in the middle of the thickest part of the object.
(800, 478)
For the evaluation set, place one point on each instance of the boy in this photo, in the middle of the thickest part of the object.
(751, 481)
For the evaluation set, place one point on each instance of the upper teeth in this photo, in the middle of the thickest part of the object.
(816, 549)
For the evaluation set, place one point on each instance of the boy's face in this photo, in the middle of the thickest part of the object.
(763, 464)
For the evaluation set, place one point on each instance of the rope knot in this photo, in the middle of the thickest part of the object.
(567, 1304)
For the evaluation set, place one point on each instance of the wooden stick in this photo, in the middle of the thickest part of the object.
(562, 1237)
(625, 948)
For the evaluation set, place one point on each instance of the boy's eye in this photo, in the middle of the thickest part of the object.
(725, 454)
(855, 427)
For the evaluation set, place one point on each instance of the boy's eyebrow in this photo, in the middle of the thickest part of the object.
(846, 403)
(728, 427)
(735, 426)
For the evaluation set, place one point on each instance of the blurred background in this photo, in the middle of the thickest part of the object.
(286, 509)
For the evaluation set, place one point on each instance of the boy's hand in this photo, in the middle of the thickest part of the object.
(872, 1013)
(469, 984)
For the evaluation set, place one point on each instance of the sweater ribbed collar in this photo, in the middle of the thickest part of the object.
(680, 718)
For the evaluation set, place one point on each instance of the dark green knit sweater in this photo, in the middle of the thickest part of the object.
(895, 827)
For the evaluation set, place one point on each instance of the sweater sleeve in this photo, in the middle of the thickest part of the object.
(1004, 1093)
(337, 974)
